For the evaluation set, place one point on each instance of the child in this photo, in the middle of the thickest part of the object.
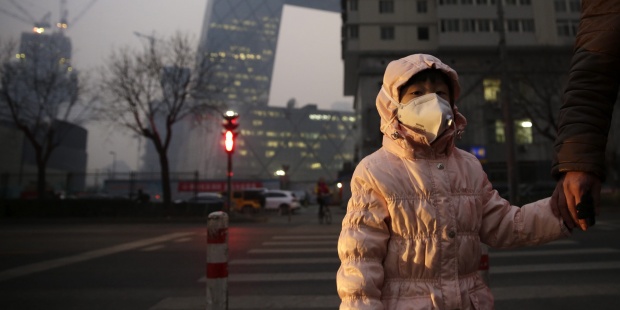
(420, 206)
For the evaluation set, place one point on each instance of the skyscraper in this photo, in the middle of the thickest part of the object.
(239, 40)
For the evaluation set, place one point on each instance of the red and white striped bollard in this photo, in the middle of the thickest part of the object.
(217, 261)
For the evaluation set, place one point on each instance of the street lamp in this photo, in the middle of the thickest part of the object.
(113, 163)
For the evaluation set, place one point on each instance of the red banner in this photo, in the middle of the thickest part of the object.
(215, 186)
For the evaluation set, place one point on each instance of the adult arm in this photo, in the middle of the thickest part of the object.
(589, 97)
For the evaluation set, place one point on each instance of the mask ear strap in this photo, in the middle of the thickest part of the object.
(391, 120)
(385, 92)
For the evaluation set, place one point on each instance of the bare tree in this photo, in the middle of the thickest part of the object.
(150, 90)
(39, 93)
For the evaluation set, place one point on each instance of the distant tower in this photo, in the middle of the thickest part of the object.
(239, 38)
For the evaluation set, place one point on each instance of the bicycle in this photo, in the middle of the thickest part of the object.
(325, 215)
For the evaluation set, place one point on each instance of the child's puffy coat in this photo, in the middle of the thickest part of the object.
(411, 236)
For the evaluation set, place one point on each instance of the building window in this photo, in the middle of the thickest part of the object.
(574, 5)
(387, 33)
(500, 135)
(467, 2)
(567, 27)
(448, 2)
(510, 2)
(528, 25)
(353, 5)
(523, 131)
(559, 5)
(512, 25)
(491, 89)
(422, 6)
(449, 25)
(525, 2)
(386, 6)
(423, 34)
(469, 25)
(354, 31)
(484, 25)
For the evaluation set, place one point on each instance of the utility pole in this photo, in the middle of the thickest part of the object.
(511, 163)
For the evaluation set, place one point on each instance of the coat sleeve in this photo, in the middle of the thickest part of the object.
(508, 226)
(362, 245)
(591, 91)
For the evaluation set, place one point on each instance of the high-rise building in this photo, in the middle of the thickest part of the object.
(539, 36)
(239, 41)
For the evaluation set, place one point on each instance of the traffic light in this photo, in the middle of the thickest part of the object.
(230, 135)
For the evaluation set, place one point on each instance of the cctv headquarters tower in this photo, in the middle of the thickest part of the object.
(239, 41)
(240, 37)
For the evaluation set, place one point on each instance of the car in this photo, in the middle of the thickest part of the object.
(202, 203)
(248, 201)
(281, 201)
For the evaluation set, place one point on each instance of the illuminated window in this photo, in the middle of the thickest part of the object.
(315, 166)
(491, 89)
(269, 154)
(500, 136)
(257, 122)
(523, 131)
(522, 128)
(272, 143)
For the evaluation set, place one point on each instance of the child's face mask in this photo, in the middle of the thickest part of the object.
(428, 113)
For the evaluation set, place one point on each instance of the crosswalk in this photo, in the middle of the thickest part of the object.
(303, 249)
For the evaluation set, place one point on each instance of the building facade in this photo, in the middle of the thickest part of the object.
(239, 42)
(465, 34)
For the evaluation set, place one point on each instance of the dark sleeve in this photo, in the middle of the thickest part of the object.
(591, 91)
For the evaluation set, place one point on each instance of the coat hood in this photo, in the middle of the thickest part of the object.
(397, 73)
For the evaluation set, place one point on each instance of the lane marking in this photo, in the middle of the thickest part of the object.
(274, 277)
(152, 248)
(285, 261)
(582, 266)
(554, 291)
(493, 254)
(272, 243)
(59, 262)
(309, 237)
(254, 302)
(301, 250)
(182, 240)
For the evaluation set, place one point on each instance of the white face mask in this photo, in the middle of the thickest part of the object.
(430, 114)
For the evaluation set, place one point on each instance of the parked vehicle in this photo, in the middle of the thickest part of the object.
(251, 200)
(201, 204)
(282, 201)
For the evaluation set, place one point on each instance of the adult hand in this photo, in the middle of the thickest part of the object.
(559, 207)
(575, 185)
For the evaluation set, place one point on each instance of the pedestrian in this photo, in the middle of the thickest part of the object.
(586, 113)
(421, 207)
(323, 194)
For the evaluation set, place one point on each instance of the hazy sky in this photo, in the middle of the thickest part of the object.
(308, 65)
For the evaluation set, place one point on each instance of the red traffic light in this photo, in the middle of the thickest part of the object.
(230, 124)
(229, 141)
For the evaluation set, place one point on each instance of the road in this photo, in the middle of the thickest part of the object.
(277, 264)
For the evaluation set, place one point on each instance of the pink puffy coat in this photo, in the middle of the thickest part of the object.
(411, 236)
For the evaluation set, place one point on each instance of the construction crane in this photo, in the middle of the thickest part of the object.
(63, 22)
(25, 16)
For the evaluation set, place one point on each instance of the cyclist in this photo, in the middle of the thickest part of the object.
(322, 196)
